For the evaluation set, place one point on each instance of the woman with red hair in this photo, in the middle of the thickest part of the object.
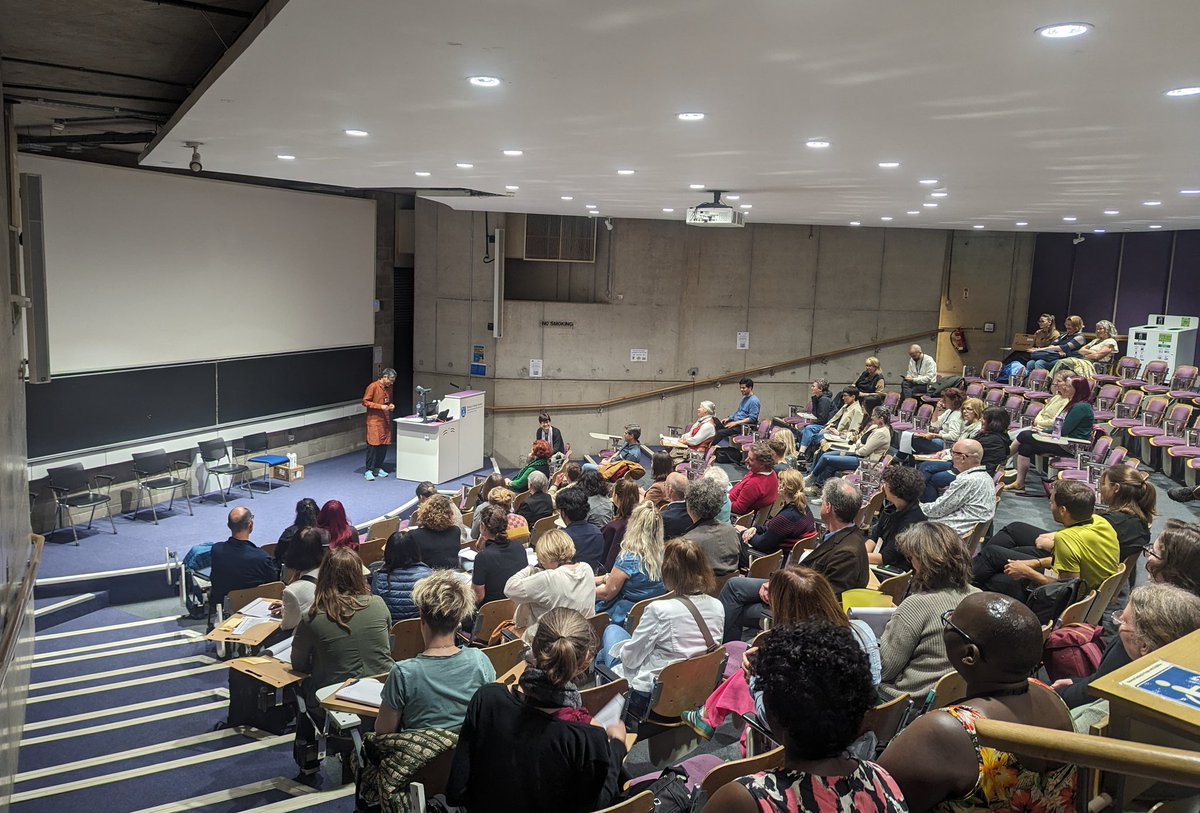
(1077, 421)
(332, 520)
(539, 460)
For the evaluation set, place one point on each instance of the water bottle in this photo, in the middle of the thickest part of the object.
(1058, 425)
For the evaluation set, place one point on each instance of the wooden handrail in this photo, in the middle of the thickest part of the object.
(15, 612)
(706, 382)
(1155, 762)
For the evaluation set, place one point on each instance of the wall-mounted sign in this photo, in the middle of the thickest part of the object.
(639, 355)
(535, 368)
(553, 323)
(743, 340)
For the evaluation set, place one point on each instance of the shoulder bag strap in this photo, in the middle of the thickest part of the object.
(709, 641)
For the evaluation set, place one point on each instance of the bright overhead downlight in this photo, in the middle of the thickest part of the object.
(929, 205)
(928, 181)
(1022, 222)
(484, 81)
(420, 173)
(888, 164)
(464, 165)
(978, 225)
(1152, 203)
(357, 133)
(747, 206)
(816, 143)
(668, 210)
(1112, 211)
(512, 187)
(1069, 219)
(626, 171)
(913, 212)
(1062, 31)
(1188, 91)
(855, 223)
(1189, 191)
(695, 186)
(514, 153)
(566, 197)
(692, 116)
(590, 206)
(939, 194)
(886, 219)
(1156, 226)
(283, 157)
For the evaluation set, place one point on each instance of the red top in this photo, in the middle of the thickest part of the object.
(754, 491)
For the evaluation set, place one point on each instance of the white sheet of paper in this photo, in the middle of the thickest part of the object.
(282, 651)
(611, 713)
(876, 617)
(259, 608)
(367, 692)
(248, 623)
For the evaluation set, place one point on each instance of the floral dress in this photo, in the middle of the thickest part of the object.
(868, 789)
(1005, 785)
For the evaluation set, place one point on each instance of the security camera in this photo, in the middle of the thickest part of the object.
(608, 223)
(194, 165)
(422, 390)
(1079, 238)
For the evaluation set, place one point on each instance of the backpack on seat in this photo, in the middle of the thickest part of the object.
(1073, 651)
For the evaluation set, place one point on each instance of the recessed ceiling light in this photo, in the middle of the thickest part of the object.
(420, 173)
(1156, 226)
(1022, 222)
(747, 206)
(979, 225)
(1112, 211)
(914, 212)
(512, 188)
(593, 212)
(590, 206)
(282, 157)
(464, 165)
(816, 143)
(483, 81)
(1189, 191)
(1060, 31)
(514, 153)
(357, 133)
(929, 205)
(668, 211)
(626, 171)
(733, 197)
(1189, 91)
(928, 181)
(1097, 231)
(567, 197)
(690, 116)
(1152, 203)
(1070, 219)
(695, 186)
(885, 219)
(855, 223)
(888, 164)
(939, 194)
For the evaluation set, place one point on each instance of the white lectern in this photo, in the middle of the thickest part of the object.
(427, 451)
(467, 407)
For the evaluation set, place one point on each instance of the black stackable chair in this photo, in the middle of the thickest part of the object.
(72, 489)
(213, 452)
(156, 473)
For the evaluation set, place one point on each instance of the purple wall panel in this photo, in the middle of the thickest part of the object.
(1142, 290)
(1094, 281)
(1184, 297)
(1050, 291)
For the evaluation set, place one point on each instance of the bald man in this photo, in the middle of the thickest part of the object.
(237, 563)
(676, 521)
(921, 373)
(971, 497)
(995, 643)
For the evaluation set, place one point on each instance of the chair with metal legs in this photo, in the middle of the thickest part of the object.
(73, 488)
(156, 473)
(213, 452)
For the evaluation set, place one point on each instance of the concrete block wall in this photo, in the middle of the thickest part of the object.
(684, 294)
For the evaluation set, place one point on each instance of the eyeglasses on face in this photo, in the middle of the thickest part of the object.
(962, 455)
(950, 625)
(1150, 551)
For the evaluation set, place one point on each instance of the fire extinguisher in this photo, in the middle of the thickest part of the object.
(958, 339)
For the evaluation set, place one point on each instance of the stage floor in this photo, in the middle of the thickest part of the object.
(141, 543)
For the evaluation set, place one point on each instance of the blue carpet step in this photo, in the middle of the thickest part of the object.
(50, 611)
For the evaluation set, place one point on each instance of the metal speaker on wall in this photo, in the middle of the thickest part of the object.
(33, 260)
(498, 284)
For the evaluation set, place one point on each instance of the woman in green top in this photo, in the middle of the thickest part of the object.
(343, 635)
(539, 460)
(1077, 422)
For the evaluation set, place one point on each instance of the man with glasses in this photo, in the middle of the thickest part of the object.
(1018, 558)
(237, 563)
(920, 375)
(995, 644)
(971, 497)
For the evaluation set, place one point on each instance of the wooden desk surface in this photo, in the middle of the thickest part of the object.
(1150, 707)
(267, 670)
(251, 637)
(334, 703)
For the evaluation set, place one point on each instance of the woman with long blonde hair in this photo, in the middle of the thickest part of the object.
(637, 572)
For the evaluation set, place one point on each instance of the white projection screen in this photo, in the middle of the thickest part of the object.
(146, 269)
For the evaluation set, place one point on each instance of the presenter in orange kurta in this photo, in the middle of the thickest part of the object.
(378, 401)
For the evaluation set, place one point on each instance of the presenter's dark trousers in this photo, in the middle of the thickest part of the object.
(1014, 541)
(375, 457)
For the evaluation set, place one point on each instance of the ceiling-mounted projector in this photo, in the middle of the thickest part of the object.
(715, 214)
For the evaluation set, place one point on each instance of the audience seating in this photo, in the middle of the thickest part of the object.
(1126, 368)
(156, 473)
(1105, 594)
(72, 488)
(597, 697)
(635, 612)
(520, 498)
(506, 655)
(762, 567)
(1115, 456)
(719, 583)
(1099, 449)
(1012, 405)
(950, 688)
(371, 551)
(235, 600)
(1153, 372)
(975, 538)
(1077, 612)
(599, 622)
(212, 452)
(644, 802)
(383, 528)
(431, 779)
(902, 422)
(896, 587)
(490, 617)
(681, 686)
(471, 497)
(468, 517)
(1126, 408)
(884, 720)
(1169, 432)
(1035, 389)
(407, 641)
(723, 774)
(866, 514)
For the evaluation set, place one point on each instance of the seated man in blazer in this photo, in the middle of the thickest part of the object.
(676, 521)
(551, 435)
(840, 556)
